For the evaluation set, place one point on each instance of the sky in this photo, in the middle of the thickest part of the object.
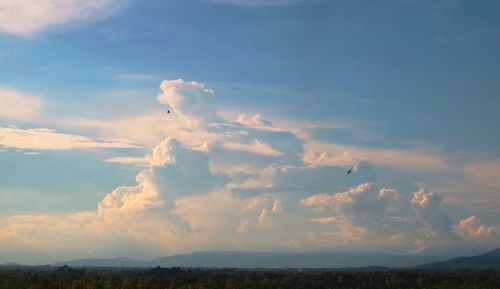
(271, 102)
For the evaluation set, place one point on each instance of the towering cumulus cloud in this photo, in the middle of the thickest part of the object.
(178, 196)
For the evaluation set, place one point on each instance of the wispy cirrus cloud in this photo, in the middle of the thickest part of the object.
(25, 17)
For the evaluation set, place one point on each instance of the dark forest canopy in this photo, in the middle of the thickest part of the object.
(172, 278)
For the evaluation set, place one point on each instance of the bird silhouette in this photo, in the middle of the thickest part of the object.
(349, 171)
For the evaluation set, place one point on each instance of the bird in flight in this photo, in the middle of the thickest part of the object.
(349, 171)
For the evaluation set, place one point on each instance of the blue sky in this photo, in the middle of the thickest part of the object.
(277, 100)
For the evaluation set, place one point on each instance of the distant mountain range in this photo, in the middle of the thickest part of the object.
(9, 264)
(242, 259)
(237, 259)
(104, 262)
(488, 260)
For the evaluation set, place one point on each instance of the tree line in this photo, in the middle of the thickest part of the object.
(191, 278)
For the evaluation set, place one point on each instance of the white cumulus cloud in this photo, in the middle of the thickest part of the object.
(473, 229)
(426, 206)
(358, 216)
(363, 201)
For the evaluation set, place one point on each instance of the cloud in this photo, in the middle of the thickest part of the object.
(364, 215)
(129, 200)
(348, 234)
(437, 230)
(382, 217)
(47, 139)
(138, 161)
(245, 219)
(255, 147)
(485, 174)
(365, 201)
(178, 195)
(191, 100)
(148, 130)
(297, 149)
(259, 3)
(210, 183)
(139, 215)
(255, 120)
(24, 17)
(86, 234)
(327, 220)
(331, 154)
(426, 207)
(166, 210)
(175, 166)
(474, 185)
(18, 105)
(473, 229)
(195, 122)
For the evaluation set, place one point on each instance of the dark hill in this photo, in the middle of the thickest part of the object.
(488, 260)
(495, 252)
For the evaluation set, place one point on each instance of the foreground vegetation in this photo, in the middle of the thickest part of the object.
(172, 278)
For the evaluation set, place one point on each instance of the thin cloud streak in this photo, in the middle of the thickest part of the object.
(39, 139)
